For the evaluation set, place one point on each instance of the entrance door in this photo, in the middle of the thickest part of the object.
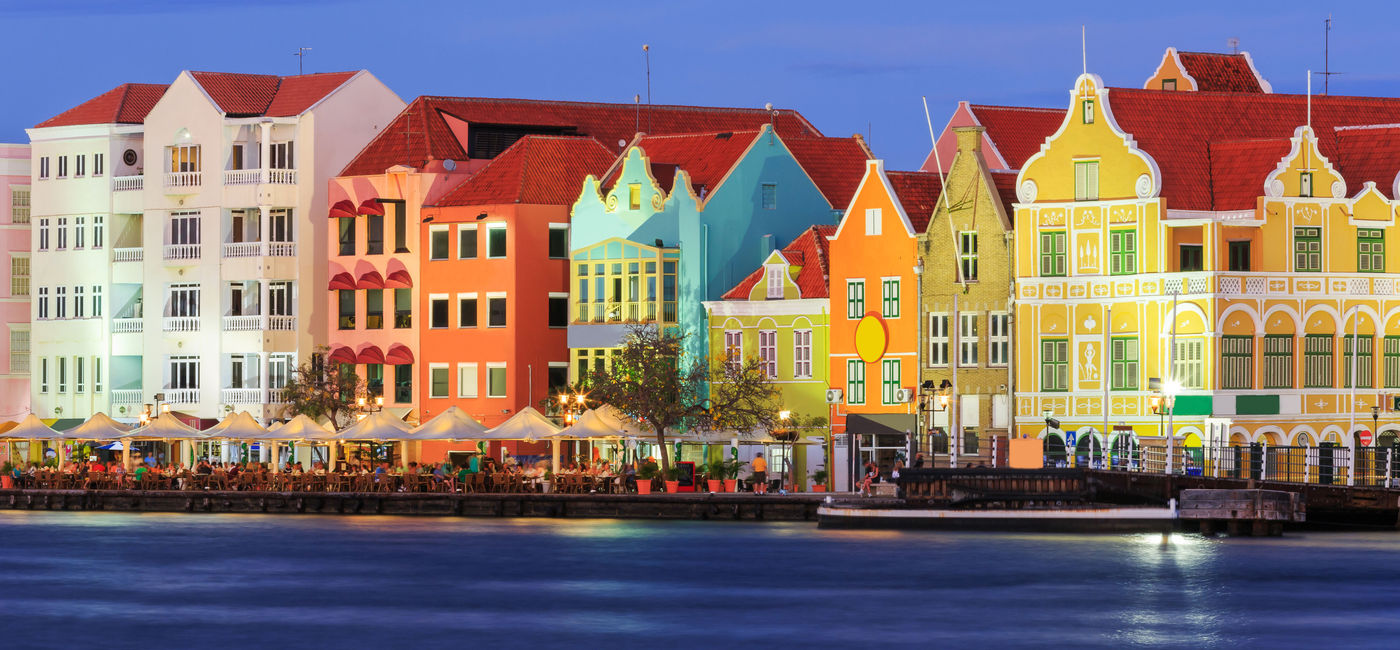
(1326, 465)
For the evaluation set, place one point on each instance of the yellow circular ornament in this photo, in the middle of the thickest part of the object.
(871, 338)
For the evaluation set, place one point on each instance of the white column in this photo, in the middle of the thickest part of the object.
(264, 235)
(265, 155)
(331, 454)
(554, 447)
(276, 458)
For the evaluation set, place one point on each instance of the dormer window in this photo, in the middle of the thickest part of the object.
(1168, 84)
(1088, 111)
(1305, 184)
(775, 282)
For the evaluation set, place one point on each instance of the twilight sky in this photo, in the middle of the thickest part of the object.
(848, 66)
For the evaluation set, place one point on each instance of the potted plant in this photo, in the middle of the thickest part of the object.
(7, 475)
(548, 483)
(714, 475)
(819, 480)
(671, 479)
(645, 473)
(731, 475)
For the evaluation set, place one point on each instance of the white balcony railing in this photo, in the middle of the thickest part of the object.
(182, 395)
(126, 396)
(181, 324)
(246, 323)
(242, 176)
(128, 254)
(282, 323)
(127, 183)
(243, 396)
(182, 251)
(127, 325)
(183, 180)
(281, 249)
(243, 249)
(282, 176)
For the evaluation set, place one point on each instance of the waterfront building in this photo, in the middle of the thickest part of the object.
(1207, 72)
(966, 252)
(1012, 134)
(1230, 244)
(780, 314)
(15, 278)
(680, 219)
(222, 248)
(875, 329)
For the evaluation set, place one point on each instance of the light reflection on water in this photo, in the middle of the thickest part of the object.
(183, 580)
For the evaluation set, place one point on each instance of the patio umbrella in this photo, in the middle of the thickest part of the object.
(528, 424)
(32, 428)
(452, 424)
(97, 427)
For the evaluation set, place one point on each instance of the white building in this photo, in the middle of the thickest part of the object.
(174, 231)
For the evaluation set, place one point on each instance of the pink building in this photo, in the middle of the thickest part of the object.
(14, 287)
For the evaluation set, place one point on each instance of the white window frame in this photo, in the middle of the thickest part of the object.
(938, 339)
(433, 231)
(79, 233)
(873, 221)
(97, 375)
(62, 375)
(43, 375)
(855, 299)
(773, 273)
(967, 340)
(855, 382)
(99, 231)
(462, 229)
(44, 234)
(734, 347)
(497, 365)
(802, 354)
(889, 298)
(447, 309)
(79, 375)
(433, 367)
(553, 227)
(42, 304)
(768, 352)
(43, 168)
(62, 230)
(99, 164)
(999, 338)
(497, 295)
(79, 308)
(497, 225)
(79, 165)
(60, 302)
(890, 381)
(462, 297)
(967, 255)
(1086, 180)
(1189, 368)
(468, 380)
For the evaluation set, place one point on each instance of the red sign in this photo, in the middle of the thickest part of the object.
(1364, 437)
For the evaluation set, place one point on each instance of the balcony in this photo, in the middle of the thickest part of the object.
(176, 182)
(127, 325)
(181, 324)
(126, 396)
(282, 323)
(624, 312)
(260, 249)
(182, 395)
(251, 323)
(243, 396)
(128, 254)
(128, 183)
(260, 176)
(182, 251)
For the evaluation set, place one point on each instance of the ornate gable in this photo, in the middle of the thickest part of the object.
(1304, 171)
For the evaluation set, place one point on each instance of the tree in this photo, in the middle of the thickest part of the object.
(652, 382)
(319, 388)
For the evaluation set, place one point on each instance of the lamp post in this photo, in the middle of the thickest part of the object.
(1163, 398)
(572, 404)
(783, 418)
(933, 400)
(1050, 422)
(365, 407)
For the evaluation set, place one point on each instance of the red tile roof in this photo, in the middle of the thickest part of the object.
(247, 95)
(1229, 73)
(706, 157)
(835, 165)
(811, 251)
(1005, 182)
(918, 193)
(1017, 132)
(421, 132)
(1238, 169)
(537, 169)
(125, 104)
(1368, 153)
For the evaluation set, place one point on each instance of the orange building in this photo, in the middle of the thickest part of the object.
(875, 334)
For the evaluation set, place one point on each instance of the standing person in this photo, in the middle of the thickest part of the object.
(760, 475)
(918, 461)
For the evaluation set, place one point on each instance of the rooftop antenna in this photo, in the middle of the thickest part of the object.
(943, 191)
(1326, 54)
(1083, 52)
(1234, 45)
(637, 122)
(647, 49)
(769, 107)
(300, 54)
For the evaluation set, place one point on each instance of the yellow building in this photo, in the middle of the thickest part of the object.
(1228, 243)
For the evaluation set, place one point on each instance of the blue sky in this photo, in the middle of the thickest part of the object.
(849, 67)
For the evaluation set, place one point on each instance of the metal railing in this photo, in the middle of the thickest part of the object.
(128, 254)
(127, 183)
(643, 311)
(1321, 465)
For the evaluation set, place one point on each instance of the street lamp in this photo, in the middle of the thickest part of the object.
(784, 417)
(1162, 400)
(1051, 423)
(934, 400)
(572, 405)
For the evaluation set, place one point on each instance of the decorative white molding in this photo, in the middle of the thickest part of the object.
(1027, 191)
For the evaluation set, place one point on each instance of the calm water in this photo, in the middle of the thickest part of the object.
(183, 581)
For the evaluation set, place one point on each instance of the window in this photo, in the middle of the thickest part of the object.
(495, 240)
(802, 354)
(60, 302)
(1190, 257)
(374, 380)
(437, 312)
(97, 163)
(466, 310)
(63, 166)
(1307, 249)
(79, 231)
(374, 309)
(734, 348)
(19, 205)
(1122, 252)
(1053, 253)
(1370, 250)
(1124, 362)
(558, 376)
(855, 299)
(79, 377)
(403, 383)
(282, 155)
(19, 351)
(279, 298)
(774, 276)
(967, 339)
(400, 225)
(872, 222)
(967, 253)
(1359, 365)
(769, 193)
(62, 233)
(855, 381)
(437, 242)
(236, 157)
(889, 381)
(79, 165)
(1189, 370)
(495, 311)
(999, 338)
(374, 234)
(183, 372)
(1168, 84)
(78, 302)
(1317, 361)
(467, 380)
(43, 234)
(937, 340)
(889, 297)
(347, 309)
(634, 196)
(19, 275)
(184, 228)
(43, 303)
(768, 352)
(1054, 365)
(184, 158)
(43, 167)
(43, 376)
(99, 232)
(1305, 184)
(1086, 180)
(403, 308)
(437, 380)
(1278, 361)
(97, 375)
(1088, 111)
(1238, 254)
(559, 310)
(347, 236)
(495, 380)
(466, 241)
(1236, 362)
(1391, 360)
(558, 241)
(62, 374)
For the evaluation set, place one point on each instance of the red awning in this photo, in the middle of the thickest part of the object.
(370, 354)
(341, 354)
(399, 280)
(399, 354)
(343, 208)
(342, 280)
(370, 280)
(372, 206)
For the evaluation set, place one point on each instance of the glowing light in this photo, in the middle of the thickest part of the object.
(784, 415)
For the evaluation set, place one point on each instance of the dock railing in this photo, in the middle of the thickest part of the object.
(1319, 465)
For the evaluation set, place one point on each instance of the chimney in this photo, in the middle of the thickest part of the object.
(969, 138)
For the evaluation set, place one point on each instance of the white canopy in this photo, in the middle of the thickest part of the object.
(32, 428)
(602, 422)
(165, 427)
(239, 426)
(298, 428)
(452, 424)
(376, 426)
(97, 427)
(528, 424)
